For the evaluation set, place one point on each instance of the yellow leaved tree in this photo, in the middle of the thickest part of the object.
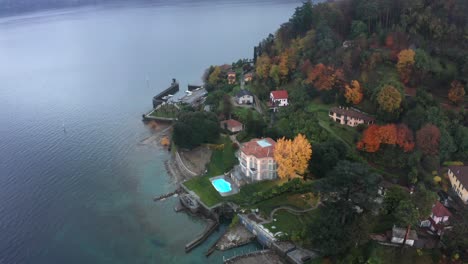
(292, 156)
(405, 64)
(353, 93)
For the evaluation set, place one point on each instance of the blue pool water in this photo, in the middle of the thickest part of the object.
(221, 185)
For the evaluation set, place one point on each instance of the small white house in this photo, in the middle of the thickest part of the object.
(279, 98)
(244, 97)
(398, 236)
(232, 125)
(438, 220)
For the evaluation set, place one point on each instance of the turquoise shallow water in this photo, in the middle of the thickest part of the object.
(84, 195)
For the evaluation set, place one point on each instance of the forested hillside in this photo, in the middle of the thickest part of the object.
(406, 62)
(403, 64)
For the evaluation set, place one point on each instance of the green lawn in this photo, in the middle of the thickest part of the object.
(167, 111)
(246, 191)
(221, 162)
(293, 200)
(290, 223)
(201, 185)
(341, 132)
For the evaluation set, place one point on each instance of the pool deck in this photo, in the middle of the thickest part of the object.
(234, 188)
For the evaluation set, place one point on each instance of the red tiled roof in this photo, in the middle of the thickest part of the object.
(439, 210)
(252, 148)
(281, 94)
(231, 123)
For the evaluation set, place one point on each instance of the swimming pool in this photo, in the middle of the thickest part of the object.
(221, 185)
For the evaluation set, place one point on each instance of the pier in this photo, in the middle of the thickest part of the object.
(212, 225)
(213, 247)
(192, 87)
(165, 95)
(195, 97)
(164, 196)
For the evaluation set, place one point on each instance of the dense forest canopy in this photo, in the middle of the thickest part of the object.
(403, 61)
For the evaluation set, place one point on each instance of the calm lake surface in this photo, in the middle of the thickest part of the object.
(85, 195)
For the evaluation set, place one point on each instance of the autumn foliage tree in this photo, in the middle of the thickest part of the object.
(389, 99)
(370, 141)
(405, 64)
(353, 92)
(214, 77)
(428, 139)
(287, 64)
(324, 77)
(263, 66)
(389, 134)
(405, 138)
(292, 156)
(456, 93)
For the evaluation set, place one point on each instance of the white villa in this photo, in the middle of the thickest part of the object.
(256, 162)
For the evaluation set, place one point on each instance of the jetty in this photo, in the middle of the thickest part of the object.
(192, 87)
(166, 94)
(164, 196)
(212, 226)
(194, 97)
(213, 247)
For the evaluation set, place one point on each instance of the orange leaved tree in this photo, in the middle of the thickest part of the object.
(389, 134)
(370, 141)
(353, 92)
(456, 93)
(292, 156)
(405, 64)
(428, 139)
(324, 77)
(405, 138)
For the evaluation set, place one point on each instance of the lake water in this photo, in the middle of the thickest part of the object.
(85, 195)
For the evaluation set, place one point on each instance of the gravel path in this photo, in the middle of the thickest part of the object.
(290, 210)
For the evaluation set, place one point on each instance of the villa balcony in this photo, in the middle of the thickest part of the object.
(239, 177)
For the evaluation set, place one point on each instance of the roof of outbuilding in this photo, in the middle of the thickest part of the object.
(400, 233)
(243, 92)
(231, 123)
(280, 94)
(439, 210)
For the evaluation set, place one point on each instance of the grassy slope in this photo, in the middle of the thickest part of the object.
(221, 162)
(290, 223)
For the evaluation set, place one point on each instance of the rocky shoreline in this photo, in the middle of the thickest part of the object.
(235, 237)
